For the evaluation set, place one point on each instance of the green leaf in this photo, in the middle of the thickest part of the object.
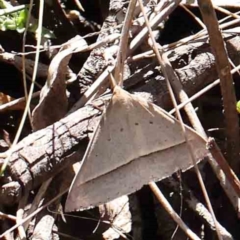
(238, 106)
(22, 18)
(15, 18)
(8, 24)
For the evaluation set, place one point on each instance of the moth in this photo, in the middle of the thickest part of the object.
(135, 142)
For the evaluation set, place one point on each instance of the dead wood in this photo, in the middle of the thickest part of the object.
(226, 82)
(44, 153)
(96, 61)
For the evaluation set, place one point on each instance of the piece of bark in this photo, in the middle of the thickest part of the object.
(46, 152)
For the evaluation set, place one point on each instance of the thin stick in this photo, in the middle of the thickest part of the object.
(79, 5)
(171, 211)
(224, 178)
(223, 10)
(195, 205)
(197, 19)
(166, 69)
(8, 216)
(164, 65)
(226, 82)
(39, 31)
(13, 9)
(154, 23)
(20, 214)
(202, 33)
(102, 79)
(80, 49)
(204, 90)
(37, 199)
(182, 95)
(33, 214)
(123, 46)
(23, 57)
(216, 152)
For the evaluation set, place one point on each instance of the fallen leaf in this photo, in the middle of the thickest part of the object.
(5, 98)
(53, 99)
(136, 142)
(117, 212)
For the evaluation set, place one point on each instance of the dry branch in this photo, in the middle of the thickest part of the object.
(226, 82)
(44, 153)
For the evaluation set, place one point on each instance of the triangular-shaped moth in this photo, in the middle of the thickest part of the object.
(136, 142)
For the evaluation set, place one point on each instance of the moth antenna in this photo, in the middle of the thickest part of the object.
(113, 82)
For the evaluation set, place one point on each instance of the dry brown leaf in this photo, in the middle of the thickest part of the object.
(53, 99)
(119, 215)
(5, 98)
(136, 142)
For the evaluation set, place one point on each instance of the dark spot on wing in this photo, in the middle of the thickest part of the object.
(151, 122)
(109, 139)
(136, 124)
(121, 129)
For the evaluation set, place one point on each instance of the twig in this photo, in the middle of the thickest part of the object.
(102, 79)
(199, 128)
(123, 46)
(8, 216)
(33, 214)
(31, 88)
(226, 82)
(37, 199)
(80, 49)
(197, 207)
(168, 72)
(220, 9)
(79, 5)
(199, 34)
(204, 90)
(154, 23)
(197, 19)
(215, 151)
(13, 9)
(20, 214)
(24, 75)
(171, 211)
